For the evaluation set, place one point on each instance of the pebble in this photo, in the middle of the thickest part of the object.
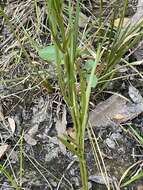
(116, 136)
(110, 143)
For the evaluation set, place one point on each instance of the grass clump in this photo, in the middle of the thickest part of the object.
(110, 49)
(70, 74)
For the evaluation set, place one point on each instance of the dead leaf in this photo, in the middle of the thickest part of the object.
(30, 140)
(100, 179)
(61, 129)
(116, 109)
(12, 124)
(83, 20)
(105, 111)
(3, 149)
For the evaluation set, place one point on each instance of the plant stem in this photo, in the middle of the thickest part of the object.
(82, 161)
(83, 171)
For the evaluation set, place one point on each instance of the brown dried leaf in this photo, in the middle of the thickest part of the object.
(105, 111)
(116, 109)
(3, 149)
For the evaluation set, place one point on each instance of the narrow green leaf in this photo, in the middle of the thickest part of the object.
(134, 178)
(9, 177)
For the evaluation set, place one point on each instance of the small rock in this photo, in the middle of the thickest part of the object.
(52, 154)
(116, 136)
(110, 143)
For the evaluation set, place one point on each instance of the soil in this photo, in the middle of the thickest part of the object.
(31, 106)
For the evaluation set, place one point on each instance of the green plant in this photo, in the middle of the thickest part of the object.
(114, 42)
(136, 134)
(9, 177)
(132, 174)
(70, 74)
